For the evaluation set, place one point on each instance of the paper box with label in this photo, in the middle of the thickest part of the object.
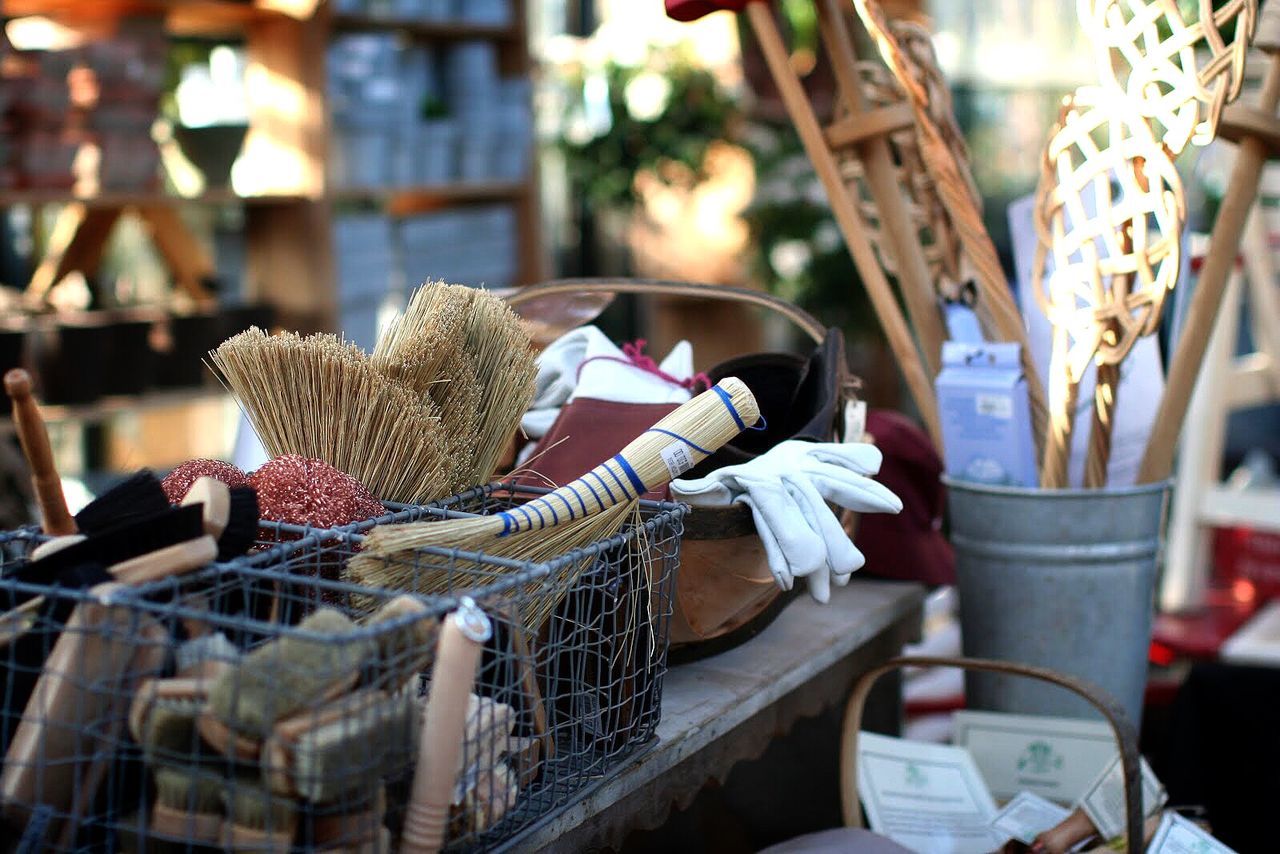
(986, 418)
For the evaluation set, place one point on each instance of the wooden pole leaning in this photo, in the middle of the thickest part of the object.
(1257, 130)
(847, 217)
(900, 232)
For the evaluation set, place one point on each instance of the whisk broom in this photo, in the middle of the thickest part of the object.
(576, 513)
(470, 353)
(425, 349)
(321, 397)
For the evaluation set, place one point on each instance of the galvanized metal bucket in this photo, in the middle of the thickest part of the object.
(1064, 579)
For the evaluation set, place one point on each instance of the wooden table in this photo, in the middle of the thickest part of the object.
(727, 708)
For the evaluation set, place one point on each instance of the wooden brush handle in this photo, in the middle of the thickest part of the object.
(55, 519)
(462, 639)
(665, 451)
(214, 498)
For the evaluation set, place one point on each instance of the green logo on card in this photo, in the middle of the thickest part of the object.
(1039, 758)
(916, 777)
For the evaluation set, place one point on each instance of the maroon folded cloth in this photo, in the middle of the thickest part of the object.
(586, 433)
(692, 10)
(909, 546)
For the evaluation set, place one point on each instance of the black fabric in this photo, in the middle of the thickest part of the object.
(799, 398)
(1224, 751)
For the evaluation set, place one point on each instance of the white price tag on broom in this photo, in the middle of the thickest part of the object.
(677, 458)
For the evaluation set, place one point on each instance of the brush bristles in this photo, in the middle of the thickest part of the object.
(506, 367)
(322, 398)
(391, 562)
(469, 352)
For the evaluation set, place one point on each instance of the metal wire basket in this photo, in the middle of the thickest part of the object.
(265, 703)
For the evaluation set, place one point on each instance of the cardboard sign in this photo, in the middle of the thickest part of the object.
(927, 797)
(1056, 758)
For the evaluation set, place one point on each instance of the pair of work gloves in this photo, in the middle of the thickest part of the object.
(788, 489)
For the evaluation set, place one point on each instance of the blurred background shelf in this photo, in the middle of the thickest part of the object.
(126, 199)
(426, 30)
(202, 18)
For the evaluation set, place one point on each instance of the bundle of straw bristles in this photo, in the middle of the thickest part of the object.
(428, 413)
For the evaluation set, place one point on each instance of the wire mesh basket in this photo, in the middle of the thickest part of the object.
(264, 703)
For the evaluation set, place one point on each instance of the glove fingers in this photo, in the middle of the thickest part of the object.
(820, 586)
(863, 494)
(786, 519)
(778, 565)
(859, 457)
(842, 557)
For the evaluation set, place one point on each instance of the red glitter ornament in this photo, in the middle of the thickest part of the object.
(178, 481)
(303, 491)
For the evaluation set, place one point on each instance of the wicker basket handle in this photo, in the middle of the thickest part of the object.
(795, 314)
(1121, 726)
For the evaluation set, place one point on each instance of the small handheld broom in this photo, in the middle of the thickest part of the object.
(573, 512)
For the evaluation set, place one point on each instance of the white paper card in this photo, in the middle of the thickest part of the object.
(1178, 835)
(927, 797)
(677, 459)
(1027, 816)
(1141, 374)
(1056, 758)
(1104, 802)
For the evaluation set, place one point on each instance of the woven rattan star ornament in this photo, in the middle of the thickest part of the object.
(1178, 68)
(1109, 210)
(938, 236)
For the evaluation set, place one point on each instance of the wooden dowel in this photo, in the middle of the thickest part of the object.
(1224, 246)
(847, 217)
(55, 519)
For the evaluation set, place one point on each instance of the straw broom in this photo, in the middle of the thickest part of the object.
(322, 398)
(425, 349)
(468, 351)
(577, 513)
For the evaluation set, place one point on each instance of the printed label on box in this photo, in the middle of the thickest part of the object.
(995, 406)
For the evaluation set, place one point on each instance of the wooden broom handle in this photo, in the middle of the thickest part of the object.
(1224, 245)
(462, 639)
(55, 519)
(677, 443)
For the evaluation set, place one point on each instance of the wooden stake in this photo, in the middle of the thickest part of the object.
(847, 217)
(1224, 246)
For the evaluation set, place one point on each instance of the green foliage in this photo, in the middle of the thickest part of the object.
(671, 141)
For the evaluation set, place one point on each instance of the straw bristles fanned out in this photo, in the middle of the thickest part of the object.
(322, 397)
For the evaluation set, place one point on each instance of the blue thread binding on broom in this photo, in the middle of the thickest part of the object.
(636, 482)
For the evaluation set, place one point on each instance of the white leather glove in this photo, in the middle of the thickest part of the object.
(787, 489)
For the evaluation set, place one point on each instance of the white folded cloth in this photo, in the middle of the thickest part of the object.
(585, 363)
(787, 489)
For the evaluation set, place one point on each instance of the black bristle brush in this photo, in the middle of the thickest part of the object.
(136, 497)
(230, 514)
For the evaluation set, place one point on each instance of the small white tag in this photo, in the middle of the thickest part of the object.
(677, 459)
(855, 420)
(1177, 835)
(1104, 802)
(1027, 816)
(995, 406)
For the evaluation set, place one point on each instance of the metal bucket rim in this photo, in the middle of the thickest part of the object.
(952, 483)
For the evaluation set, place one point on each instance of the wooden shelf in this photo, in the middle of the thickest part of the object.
(106, 407)
(426, 30)
(405, 201)
(124, 199)
(183, 17)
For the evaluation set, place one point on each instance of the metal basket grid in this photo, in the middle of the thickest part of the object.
(552, 709)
